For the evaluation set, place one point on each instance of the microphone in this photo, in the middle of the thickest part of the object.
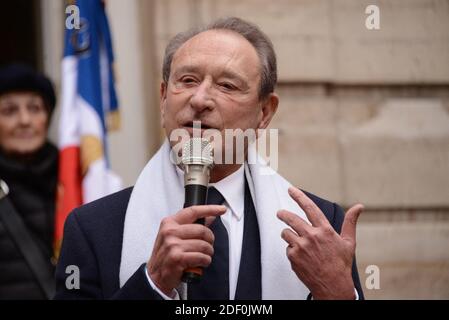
(197, 161)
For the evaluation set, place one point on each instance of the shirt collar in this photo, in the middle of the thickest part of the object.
(233, 190)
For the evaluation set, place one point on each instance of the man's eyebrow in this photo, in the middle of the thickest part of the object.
(233, 75)
(186, 69)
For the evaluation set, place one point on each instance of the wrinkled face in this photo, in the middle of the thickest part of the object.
(23, 122)
(215, 79)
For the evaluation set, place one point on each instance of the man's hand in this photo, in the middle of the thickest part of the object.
(320, 257)
(182, 244)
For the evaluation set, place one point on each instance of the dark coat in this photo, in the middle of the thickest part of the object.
(32, 188)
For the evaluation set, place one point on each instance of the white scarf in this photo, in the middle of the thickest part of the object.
(158, 193)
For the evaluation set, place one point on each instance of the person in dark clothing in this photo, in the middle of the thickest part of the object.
(29, 166)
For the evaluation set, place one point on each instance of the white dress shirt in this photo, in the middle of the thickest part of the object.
(232, 189)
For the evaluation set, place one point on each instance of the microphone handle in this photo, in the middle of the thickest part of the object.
(195, 194)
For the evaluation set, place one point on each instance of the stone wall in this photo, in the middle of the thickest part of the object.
(364, 117)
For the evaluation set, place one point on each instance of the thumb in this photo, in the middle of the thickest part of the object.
(350, 222)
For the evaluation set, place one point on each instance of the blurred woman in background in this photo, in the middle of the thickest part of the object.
(28, 165)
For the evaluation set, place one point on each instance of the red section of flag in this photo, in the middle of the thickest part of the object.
(69, 188)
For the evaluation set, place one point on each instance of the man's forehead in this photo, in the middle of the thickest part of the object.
(222, 44)
(214, 37)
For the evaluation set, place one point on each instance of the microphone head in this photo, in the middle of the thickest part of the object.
(197, 151)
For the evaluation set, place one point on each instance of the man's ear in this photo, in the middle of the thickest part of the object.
(163, 94)
(162, 100)
(269, 107)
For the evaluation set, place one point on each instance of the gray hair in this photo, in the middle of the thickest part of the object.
(250, 32)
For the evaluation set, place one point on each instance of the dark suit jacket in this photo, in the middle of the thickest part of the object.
(93, 237)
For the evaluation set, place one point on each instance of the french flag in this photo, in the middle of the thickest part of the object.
(89, 109)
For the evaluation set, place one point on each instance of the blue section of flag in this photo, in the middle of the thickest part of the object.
(104, 25)
(88, 44)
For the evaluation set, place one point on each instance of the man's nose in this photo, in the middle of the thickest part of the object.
(202, 98)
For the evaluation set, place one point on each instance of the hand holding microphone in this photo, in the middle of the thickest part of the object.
(183, 246)
(197, 160)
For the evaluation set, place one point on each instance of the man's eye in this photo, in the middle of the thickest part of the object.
(227, 86)
(188, 80)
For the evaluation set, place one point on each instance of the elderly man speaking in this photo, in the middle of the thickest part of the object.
(262, 237)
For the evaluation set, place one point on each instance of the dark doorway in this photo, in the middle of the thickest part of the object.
(20, 32)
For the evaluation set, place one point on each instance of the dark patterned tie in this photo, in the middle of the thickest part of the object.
(214, 284)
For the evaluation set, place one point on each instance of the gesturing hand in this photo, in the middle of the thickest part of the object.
(182, 244)
(320, 257)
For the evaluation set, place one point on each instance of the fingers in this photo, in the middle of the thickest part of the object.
(196, 259)
(191, 214)
(194, 231)
(194, 245)
(178, 263)
(181, 244)
(290, 237)
(298, 224)
(313, 213)
(348, 230)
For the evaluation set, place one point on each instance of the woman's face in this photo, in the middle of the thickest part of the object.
(23, 123)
